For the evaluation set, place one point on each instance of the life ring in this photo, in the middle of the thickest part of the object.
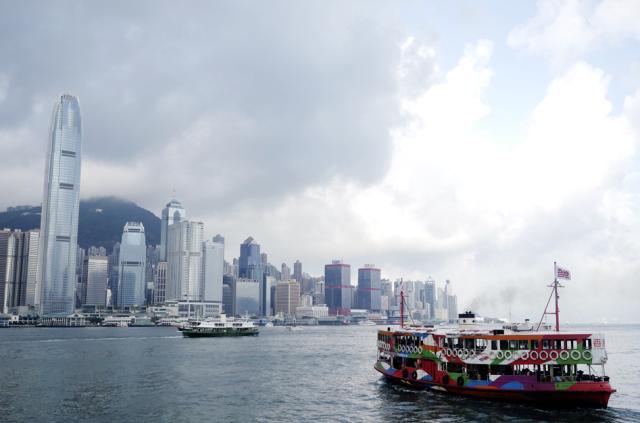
(445, 379)
(466, 353)
(460, 381)
(575, 356)
(544, 356)
(586, 354)
(507, 355)
(500, 355)
(534, 355)
(564, 355)
(515, 355)
(553, 355)
(525, 355)
(458, 352)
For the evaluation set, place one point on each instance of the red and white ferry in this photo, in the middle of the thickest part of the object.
(520, 363)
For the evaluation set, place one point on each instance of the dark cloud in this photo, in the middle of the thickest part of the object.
(258, 99)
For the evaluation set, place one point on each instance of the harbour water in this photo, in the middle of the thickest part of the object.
(316, 374)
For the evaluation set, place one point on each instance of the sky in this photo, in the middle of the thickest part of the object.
(475, 141)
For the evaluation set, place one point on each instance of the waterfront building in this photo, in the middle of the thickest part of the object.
(287, 297)
(338, 288)
(95, 274)
(269, 300)
(29, 268)
(114, 268)
(213, 270)
(172, 213)
(247, 297)
(318, 292)
(297, 271)
(9, 273)
(228, 297)
(184, 258)
(60, 205)
(250, 267)
(369, 288)
(306, 311)
(160, 283)
(133, 256)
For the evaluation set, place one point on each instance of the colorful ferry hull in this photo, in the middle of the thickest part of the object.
(548, 369)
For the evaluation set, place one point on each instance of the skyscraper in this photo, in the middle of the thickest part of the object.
(430, 297)
(172, 213)
(160, 283)
(297, 271)
(95, 272)
(133, 256)
(287, 297)
(60, 203)
(30, 266)
(251, 267)
(184, 261)
(213, 270)
(285, 272)
(337, 288)
(369, 288)
(9, 247)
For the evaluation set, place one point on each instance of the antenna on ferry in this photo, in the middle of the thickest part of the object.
(401, 304)
(554, 293)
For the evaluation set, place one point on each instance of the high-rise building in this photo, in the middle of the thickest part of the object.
(184, 261)
(29, 270)
(264, 259)
(285, 272)
(287, 297)
(430, 297)
(60, 205)
(338, 288)
(213, 270)
(247, 297)
(251, 267)
(95, 272)
(160, 283)
(172, 213)
(9, 273)
(96, 251)
(369, 288)
(269, 295)
(297, 271)
(133, 256)
(228, 296)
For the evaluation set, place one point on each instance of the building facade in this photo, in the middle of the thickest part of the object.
(60, 206)
(247, 297)
(369, 288)
(95, 274)
(133, 256)
(172, 213)
(160, 283)
(297, 271)
(287, 297)
(184, 261)
(338, 288)
(213, 270)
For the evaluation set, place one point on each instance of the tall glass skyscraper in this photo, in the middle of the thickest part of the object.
(369, 288)
(60, 203)
(172, 213)
(337, 288)
(133, 256)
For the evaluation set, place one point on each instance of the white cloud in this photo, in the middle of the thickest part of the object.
(564, 31)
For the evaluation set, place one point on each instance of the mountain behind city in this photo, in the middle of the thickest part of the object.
(100, 221)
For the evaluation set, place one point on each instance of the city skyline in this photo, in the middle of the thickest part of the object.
(480, 151)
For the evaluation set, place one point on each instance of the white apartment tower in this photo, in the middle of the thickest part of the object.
(172, 213)
(184, 261)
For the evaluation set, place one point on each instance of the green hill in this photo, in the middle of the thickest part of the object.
(100, 222)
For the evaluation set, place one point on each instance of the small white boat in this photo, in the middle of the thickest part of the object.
(294, 328)
(366, 323)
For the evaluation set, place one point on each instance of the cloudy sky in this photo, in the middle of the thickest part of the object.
(470, 141)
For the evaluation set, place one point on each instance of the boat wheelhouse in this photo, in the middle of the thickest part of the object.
(519, 363)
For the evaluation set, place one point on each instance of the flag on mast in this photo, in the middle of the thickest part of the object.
(563, 273)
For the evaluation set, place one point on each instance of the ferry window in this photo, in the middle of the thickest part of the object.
(504, 345)
(522, 344)
(546, 344)
(571, 344)
(494, 345)
(513, 345)
(534, 344)
(558, 344)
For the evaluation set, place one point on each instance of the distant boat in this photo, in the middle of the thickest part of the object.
(294, 328)
(366, 323)
(219, 327)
